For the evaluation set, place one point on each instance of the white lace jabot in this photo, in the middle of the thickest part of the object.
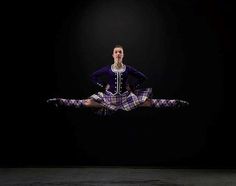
(122, 69)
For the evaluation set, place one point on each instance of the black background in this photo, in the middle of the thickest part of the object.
(180, 45)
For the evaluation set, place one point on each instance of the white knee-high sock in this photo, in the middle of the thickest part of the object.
(172, 103)
(76, 103)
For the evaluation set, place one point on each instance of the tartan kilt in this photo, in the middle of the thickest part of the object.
(125, 101)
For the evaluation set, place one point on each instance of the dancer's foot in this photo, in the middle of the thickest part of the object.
(181, 103)
(54, 101)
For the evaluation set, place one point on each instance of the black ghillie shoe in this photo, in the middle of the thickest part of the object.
(181, 103)
(54, 101)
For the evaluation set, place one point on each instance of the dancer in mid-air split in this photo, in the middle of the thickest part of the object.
(118, 92)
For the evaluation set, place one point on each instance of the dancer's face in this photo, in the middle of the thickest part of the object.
(118, 55)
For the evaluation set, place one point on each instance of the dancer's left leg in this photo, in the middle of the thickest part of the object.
(164, 103)
(147, 103)
(169, 103)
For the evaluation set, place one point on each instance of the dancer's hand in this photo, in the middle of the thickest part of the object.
(128, 88)
(107, 87)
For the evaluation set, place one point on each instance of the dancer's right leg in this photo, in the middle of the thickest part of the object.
(91, 103)
(76, 103)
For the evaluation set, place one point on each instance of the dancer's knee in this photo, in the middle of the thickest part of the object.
(147, 103)
(87, 102)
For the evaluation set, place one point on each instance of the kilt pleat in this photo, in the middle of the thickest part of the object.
(126, 101)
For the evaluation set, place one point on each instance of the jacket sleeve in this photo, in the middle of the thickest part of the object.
(139, 76)
(96, 77)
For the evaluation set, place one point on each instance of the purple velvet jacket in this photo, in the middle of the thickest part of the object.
(117, 79)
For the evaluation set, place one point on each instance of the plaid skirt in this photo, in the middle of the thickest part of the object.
(126, 101)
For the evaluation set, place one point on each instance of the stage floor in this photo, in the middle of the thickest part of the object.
(116, 176)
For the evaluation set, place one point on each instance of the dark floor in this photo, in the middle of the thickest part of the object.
(116, 176)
